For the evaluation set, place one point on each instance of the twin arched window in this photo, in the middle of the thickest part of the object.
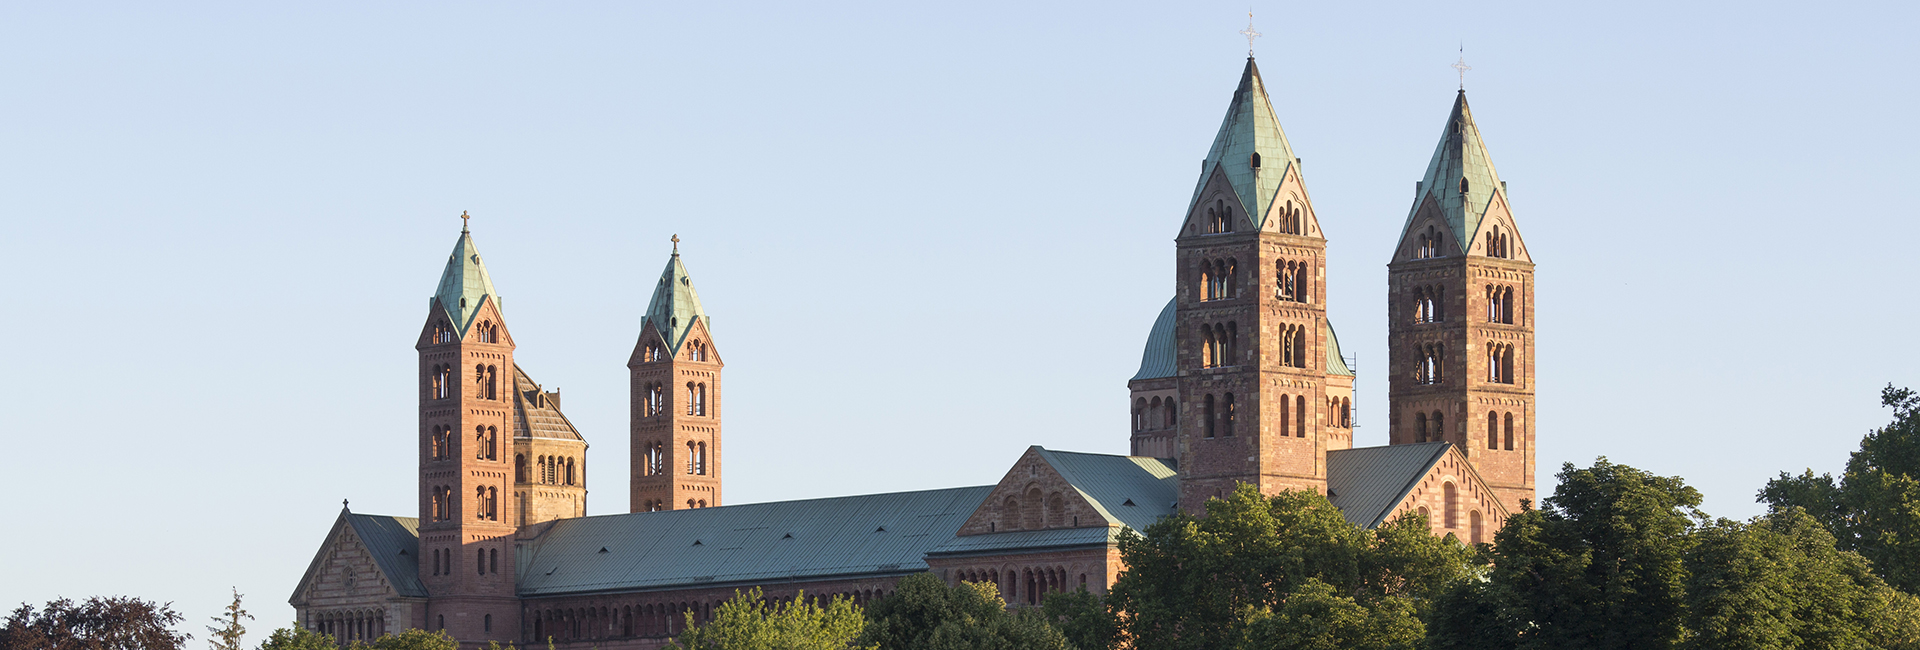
(440, 382)
(486, 502)
(1494, 430)
(1290, 221)
(442, 503)
(654, 351)
(1219, 279)
(1292, 278)
(1500, 304)
(441, 443)
(1429, 428)
(1155, 414)
(696, 399)
(442, 333)
(1428, 245)
(656, 401)
(654, 463)
(1219, 218)
(696, 351)
(1219, 344)
(486, 383)
(486, 443)
(697, 458)
(1293, 346)
(1499, 244)
(488, 332)
(1499, 363)
(1429, 363)
(1340, 411)
(1429, 303)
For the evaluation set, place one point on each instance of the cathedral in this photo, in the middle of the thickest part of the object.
(1242, 381)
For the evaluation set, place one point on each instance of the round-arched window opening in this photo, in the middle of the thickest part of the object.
(1463, 185)
(1254, 160)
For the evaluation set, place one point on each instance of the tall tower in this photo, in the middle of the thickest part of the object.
(1460, 300)
(675, 379)
(1258, 374)
(466, 510)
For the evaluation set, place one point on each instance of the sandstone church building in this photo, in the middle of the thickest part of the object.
(1242, 381)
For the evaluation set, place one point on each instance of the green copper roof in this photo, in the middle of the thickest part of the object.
(1336, 363)
(1158, 360)
(1461, 154)
(1250, 128)
(464, 284)
(675, 305)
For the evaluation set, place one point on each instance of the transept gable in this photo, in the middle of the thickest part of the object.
(1050, 490)
(1374, 485)
(363, 557)
(1470, 493)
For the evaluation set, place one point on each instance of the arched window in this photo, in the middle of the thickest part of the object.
(1452, 498)
(653, 352)
(1509, 434)
(690, 401)
(1299, 346)
(700, 399)
(519, 468)
(1209, 415)
(702, 460)
(690, 503)
(690, 460)
(1286, 417)
(492, 384)
(1493, 430)
(1209, 348)
(1227, 403)
(480, 381)
(570, 475)
(656, 403)
(1420, 427)
(1300, 416)
(480, 503)
(1230, 288)
(1439, 426)
(1346, 413)
(1473, 525)
(480, 443)
(1233, 344)
(493, 504)
(1169, 414)
(1206, 280)
(493, 443)
(1140, 413)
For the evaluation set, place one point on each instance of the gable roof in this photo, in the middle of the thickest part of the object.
(1250, 128)
(675, 305)
(535, 415)
(1158, 359)
(1365, 483)
(464, 284)
(1127, 491)
(1461, 154)
(761, 542)
(394, 543)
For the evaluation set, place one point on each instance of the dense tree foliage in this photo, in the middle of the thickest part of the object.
(1874, 508)
(1619, 558)
(1083, 618)
(923, 613)
(1282, 572)
(110, 623)
(297, 637)
(750, 622)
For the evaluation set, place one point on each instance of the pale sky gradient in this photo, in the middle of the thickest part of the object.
(929, 236)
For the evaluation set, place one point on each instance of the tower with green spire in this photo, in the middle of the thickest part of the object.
(1460, 300)
(674, 375)
(467, 511)
(1246, 364)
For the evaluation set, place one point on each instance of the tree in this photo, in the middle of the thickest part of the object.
(1600, 565)
(110, 623)
(1779, 582)
(414, 639)
(229, 632)
(749, 622)
(1254, 565)
(1082, 617)
(1874, 509)
(924, 613)
(296, 637)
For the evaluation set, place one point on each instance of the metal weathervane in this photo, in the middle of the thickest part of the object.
(1462, 66)
(1250, 34)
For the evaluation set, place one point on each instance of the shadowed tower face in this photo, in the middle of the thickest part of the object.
(675, 382)
(1460, 300)
(1259, 390)
(467, 508)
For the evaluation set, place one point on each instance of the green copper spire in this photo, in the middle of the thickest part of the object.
(1460, 178)
(465, 283)
(1250, 136)
(675, 305)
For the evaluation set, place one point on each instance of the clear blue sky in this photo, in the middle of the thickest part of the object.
(929, 236)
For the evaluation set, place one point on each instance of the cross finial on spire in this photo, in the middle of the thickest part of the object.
(1250, 34)
(343, 505)
(676, 243)
(463, 221)
(1462, 66)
